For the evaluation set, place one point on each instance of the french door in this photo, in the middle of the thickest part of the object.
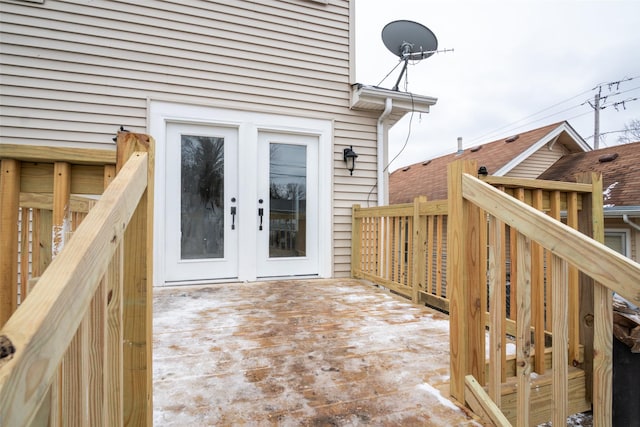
(201, 202)
(271, 220)
(287, 205)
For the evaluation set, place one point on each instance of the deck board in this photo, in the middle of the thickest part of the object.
(306, 352)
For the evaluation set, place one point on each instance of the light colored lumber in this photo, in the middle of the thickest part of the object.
(560, 292)
(536, 184)
(53, 311)
(537, 289)
(419, 248)
(9, 200)
(137, 289)
(457, 235)
(474, 393)
(496, 304)
(61, 194)
(574, 291)
(46, 153)
(613, 270)
(25, 252)
(356, 240)
(523, 340)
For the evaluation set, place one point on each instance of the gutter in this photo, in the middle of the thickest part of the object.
(382, 145)
(626, 219)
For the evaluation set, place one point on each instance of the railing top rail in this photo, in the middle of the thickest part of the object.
(432, 207)
(603, 264)
(42, 327)
(48, 154)
(537, 184)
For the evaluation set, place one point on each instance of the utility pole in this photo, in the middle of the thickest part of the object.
(596, 120)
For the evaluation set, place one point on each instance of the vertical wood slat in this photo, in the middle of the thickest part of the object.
(137, 291)
(574, 290)
(476, 284)
(518, 194)
(25, 252)
(9, 205)
(503, 311)
(537, 298)
(560, 291)
(419, 248)
(523, 326)
(356, 240)
(439, 234)
(496, 305)
(112, 350)
(457, 277)
(430, 245)
(554, 212)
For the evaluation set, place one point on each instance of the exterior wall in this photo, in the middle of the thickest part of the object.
(73, 72)
(539, 162)
(617, 224)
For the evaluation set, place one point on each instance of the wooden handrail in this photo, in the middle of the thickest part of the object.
(611, 269)
(53, 312)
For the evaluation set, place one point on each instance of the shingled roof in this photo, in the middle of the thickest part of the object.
(620, 168)
(429, 177)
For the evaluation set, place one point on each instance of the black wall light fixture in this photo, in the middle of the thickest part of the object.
(350, 159)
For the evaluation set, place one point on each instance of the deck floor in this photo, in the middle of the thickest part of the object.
(291, 353)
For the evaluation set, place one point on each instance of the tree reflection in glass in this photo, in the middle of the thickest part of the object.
(202, 198)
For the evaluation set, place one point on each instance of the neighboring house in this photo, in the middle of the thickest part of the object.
(250, 103)
(621, 183)
(525, 155)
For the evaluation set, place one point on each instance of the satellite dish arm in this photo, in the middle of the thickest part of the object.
(404, 69)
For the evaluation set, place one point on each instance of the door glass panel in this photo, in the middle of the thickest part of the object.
(288, 200)
(202, 198)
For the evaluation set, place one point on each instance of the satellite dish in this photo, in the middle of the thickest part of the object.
(409, 40)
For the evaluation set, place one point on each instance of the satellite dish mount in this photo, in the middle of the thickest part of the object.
(409, 41)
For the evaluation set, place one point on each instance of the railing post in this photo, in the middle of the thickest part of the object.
(602, 391)
(466, 306)
(356, 241)
(419, 273)
(9, 202)
(137, 293)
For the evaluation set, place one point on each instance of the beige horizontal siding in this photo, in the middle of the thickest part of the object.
(73, 72)
(538, 162)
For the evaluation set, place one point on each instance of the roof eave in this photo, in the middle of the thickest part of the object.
(619, 211)
(372, 98)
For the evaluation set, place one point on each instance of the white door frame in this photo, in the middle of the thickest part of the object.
(249, 124)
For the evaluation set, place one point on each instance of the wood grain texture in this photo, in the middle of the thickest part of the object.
(496, 304)
(560, 291)
(48, 154)
(9, 205)
(55, 308)
(485, 404)
(523, 337)
(618, 273)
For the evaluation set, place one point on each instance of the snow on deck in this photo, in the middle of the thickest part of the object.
(307, 352)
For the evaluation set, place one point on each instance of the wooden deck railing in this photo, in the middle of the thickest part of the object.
(76, 349)
(400, 247)
(411, 250)
(471, 201)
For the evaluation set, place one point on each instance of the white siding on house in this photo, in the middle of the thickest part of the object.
(73, 72)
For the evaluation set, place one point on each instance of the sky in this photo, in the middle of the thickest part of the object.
(517, 65)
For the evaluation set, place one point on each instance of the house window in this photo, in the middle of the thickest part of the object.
(618, 240)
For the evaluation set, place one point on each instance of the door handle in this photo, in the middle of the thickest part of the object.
(260, 214)
(233, 217)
